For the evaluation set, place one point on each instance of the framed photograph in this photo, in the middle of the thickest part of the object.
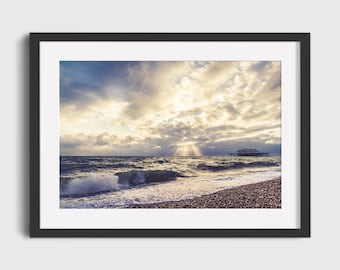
(170, 134)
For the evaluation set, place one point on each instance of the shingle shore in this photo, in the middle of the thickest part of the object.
(260, 195)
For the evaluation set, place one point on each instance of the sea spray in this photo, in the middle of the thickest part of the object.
(90, 184)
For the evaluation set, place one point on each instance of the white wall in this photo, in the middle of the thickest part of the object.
(18, 18)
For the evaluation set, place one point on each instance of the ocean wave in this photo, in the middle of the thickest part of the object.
(84, 167)
(90, 184)
(133, 178)
(95, 183)
(235, 165)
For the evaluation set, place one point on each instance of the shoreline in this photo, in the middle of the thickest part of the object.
(266, 194)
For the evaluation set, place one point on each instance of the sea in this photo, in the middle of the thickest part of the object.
(121, 181)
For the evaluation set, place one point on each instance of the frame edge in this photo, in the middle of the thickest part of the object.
(34, 136)
(36, 231)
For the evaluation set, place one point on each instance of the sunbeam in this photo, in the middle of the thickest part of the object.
(187, 149)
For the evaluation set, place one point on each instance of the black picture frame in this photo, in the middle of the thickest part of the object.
(304, 77)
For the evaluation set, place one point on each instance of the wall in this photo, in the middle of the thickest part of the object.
(18, 18)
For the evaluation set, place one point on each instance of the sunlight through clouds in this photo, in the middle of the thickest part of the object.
(169, 107)
(187, 149)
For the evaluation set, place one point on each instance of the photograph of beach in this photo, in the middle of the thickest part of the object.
(170, 134)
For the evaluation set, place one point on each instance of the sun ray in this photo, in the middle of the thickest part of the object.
(187, 149)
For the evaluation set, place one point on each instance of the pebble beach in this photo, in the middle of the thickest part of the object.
(265, 194)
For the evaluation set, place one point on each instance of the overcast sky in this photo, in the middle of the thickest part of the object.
(169, 108)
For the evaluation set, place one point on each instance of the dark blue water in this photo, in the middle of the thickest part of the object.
(155, 178)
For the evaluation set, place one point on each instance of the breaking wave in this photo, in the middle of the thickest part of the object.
(133, 178)
(90, 184)
(95, 183)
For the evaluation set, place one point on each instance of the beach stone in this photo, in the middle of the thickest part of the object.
(265, 194)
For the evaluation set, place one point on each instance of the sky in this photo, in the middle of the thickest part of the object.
(169, 108)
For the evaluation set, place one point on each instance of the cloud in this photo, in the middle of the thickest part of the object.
(151, 85)
(149, 108)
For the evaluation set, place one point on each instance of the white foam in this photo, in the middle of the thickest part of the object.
(170, 191)
(91, 183)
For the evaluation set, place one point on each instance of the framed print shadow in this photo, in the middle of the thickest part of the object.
(170, 135)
